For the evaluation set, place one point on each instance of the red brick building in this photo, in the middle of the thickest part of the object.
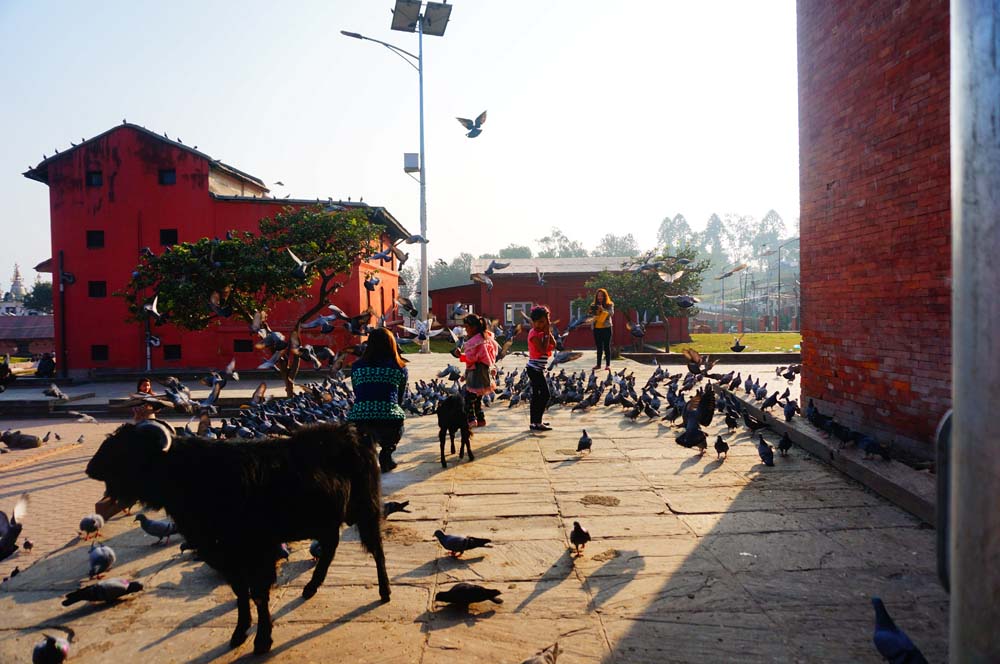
(875, 214)
(25, 336)
(130, 188)
(515, 289)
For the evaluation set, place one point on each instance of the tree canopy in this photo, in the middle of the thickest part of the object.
(245, 272)
(40, 297)
(617, 245)
(557, 245)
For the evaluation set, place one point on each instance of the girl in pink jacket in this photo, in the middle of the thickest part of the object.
(479, 354)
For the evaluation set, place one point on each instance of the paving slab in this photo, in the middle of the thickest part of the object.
(693, 559)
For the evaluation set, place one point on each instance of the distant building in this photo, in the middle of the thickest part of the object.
(130, 188)
(516, 290)
(24, 336)
(12, 301)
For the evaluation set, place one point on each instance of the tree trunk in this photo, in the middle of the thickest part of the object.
(666, 329)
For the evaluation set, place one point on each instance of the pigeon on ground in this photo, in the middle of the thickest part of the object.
(475, 127)
(545, 656)
(790, 408)
(585, 443)
(765, 451)
(28, 545)
(391, 507)
(459, 544)
(784, 444)
(82, 417)
(10, 528)
(51, 650)
(464, 594)
(721, 447)
(892, 642)
(102, 557)
(108, 590)
(579, 537)
(315, 550)
(91, 525)
(157, 528)
(54, 392)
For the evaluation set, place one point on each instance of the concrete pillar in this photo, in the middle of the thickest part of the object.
(975, 465)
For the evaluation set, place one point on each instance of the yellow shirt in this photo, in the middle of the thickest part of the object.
(603, 316)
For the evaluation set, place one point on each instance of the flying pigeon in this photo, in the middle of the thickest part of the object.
(82, 417)
(108, 590)
(545, 656)
(495, 265)
(464, 594)
(10, 528)
(54, 392)
(475, 127)
(737, 347)
(418, 239)
(391, 507)
(302, 267)
(459, 544)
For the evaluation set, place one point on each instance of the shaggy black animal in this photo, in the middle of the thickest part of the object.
(451, 418)
(237, 502)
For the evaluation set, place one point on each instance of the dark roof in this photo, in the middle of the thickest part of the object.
(44, 266)
(379, 215)
(579, 265)
(40, 172)
(26, 327)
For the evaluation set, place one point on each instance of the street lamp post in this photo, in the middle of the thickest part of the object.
(407, 16)
(780, 247)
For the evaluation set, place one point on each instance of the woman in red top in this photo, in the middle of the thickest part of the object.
(479, 354)
(541, 343)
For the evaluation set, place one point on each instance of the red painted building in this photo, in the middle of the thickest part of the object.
(875, 180)
(130, 188)
(516, 289)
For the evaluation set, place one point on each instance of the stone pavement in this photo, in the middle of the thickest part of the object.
(692, 559)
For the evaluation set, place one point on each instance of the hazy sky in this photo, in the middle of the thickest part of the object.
(604, 117)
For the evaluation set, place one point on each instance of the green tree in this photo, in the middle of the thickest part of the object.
(250, 273)
(40, 297)
(617, 245)
(647, 292)
(674, 232)
(557, 245)
(515, 251)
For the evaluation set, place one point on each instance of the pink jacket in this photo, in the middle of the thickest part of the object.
(480, 348)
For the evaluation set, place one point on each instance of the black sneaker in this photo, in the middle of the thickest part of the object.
(541, 427)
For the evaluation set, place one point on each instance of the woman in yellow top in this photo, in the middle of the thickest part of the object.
(602, 310)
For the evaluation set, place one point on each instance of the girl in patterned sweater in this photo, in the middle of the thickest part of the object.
(479, 354)
(379, 380)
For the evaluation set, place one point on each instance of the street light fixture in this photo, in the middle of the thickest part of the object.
(407, 17)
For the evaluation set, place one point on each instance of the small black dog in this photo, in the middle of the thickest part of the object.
(451, 418)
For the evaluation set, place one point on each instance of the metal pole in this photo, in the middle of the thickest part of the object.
(64, 366)
(975, 209)
(777, 327)
(149, 348)
(425, 347)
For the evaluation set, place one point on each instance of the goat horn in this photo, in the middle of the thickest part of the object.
(165, 431)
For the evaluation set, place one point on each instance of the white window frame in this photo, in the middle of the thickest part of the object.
(510, 310)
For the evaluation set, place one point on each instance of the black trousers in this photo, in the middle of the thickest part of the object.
(602, 339)
(474, 407)
(539, 394)
(385, 433)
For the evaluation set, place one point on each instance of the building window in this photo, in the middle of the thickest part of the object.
(97, 288)
(512, 312)
(242, 346)
(95, 239)
(95, 178)
(99, 353)
(168, 176)
(168, 237)
(172, 352)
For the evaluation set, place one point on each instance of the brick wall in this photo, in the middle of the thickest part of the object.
(875, 214)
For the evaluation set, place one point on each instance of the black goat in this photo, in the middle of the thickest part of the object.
(237, 502)
(452, 418)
